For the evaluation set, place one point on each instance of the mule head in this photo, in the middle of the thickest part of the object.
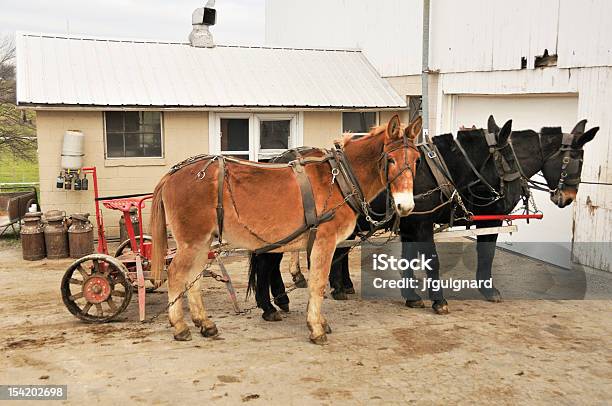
(562, 170)
(402, 157)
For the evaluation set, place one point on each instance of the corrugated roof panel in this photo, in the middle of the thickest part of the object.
(69, 70)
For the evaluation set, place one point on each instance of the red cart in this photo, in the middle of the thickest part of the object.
(98, 287)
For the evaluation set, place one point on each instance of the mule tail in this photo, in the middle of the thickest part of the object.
(252, 275)
(159, 232)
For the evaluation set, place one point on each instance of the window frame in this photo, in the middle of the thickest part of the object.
(161, 136)
(214, 132)
(377, 122)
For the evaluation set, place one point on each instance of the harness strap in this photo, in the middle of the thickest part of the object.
(308, 203)
(220, 196)
(344, 184)
(438, 168)
(473, 168)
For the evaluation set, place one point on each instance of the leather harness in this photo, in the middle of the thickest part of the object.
(342, 174)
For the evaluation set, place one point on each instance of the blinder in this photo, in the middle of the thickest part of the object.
(571, 166)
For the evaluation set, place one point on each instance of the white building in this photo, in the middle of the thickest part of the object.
(482, 57)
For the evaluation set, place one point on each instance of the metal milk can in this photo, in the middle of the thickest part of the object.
(123, 235)
(80, 236)
(33, 237)
(56, 235)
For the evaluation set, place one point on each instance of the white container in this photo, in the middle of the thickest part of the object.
(72, 150)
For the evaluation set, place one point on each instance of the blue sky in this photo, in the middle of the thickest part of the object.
(238, 21)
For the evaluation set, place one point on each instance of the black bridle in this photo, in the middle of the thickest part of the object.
(571, 167)
(353, 194)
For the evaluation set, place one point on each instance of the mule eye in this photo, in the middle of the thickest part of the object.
(391, 161)
(418, 161)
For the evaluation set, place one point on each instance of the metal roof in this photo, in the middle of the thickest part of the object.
(76, 71)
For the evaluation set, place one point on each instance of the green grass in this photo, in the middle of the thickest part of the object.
(13, 170)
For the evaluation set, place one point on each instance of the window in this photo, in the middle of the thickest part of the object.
(254, 136)
(358, 122)
(133, 134)
(235, 137)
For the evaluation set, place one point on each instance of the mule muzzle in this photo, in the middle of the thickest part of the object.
(562, 198)
(404, 203)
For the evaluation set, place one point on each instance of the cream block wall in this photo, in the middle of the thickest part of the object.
(184, 134)
(321, 128)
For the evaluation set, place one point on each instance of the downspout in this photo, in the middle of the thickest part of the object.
(424, 136)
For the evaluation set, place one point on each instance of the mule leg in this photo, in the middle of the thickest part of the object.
(262, 267)
(346, 277)
(486, 252)
(335, 274)
(321, 259)
(409, 236)
(177, 278)
(438, 302)
(194, 295)
(296, 273)
(277, 286)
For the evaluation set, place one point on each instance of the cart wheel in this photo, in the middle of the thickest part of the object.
(96, 281)
(126, 247)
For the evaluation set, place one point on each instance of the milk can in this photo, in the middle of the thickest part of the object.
(123, 235)
(56, 236)
(80, 236)
(32, 237)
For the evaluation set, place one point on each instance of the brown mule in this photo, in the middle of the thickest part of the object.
(262, 204)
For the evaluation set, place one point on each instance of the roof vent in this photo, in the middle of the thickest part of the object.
(201, 19)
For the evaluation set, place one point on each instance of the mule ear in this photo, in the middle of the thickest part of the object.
(504, 133)
(580, 140)
(393, 127)
(414, 128)
(492, 125)
(579, 128)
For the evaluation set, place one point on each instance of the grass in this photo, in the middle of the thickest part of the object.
(14, 170)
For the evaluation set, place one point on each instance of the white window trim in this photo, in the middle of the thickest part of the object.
(296, 137)
(130, 158)
(358, 111)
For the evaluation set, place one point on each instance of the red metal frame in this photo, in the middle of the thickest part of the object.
(509, 217)
(123, 205)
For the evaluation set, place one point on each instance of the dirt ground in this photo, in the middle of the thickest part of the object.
(515, 352)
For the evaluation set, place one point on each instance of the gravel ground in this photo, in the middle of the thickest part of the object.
(518, 351)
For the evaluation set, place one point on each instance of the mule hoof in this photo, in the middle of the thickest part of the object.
(284, 307)
(300, 281)
(415, 304)
(440, 307)
(271, 316)
(350, 291)
(339, 295)
(327, 328)
(320, 340)
(210, 331)
(492, 295)
(184, 335)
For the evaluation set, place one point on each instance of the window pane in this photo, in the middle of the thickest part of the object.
(133, 134)
(114, 145)
(234, 134)
(356, 122)
(114, 121)
(274, 134)
(131, 120)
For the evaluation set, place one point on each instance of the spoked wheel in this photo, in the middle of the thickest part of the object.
(125, 245)
(95, 288)
(125, 248)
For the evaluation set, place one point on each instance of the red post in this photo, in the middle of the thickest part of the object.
(102, 245)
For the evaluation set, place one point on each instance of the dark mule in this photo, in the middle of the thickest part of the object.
(558, 156)
(274, 206)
